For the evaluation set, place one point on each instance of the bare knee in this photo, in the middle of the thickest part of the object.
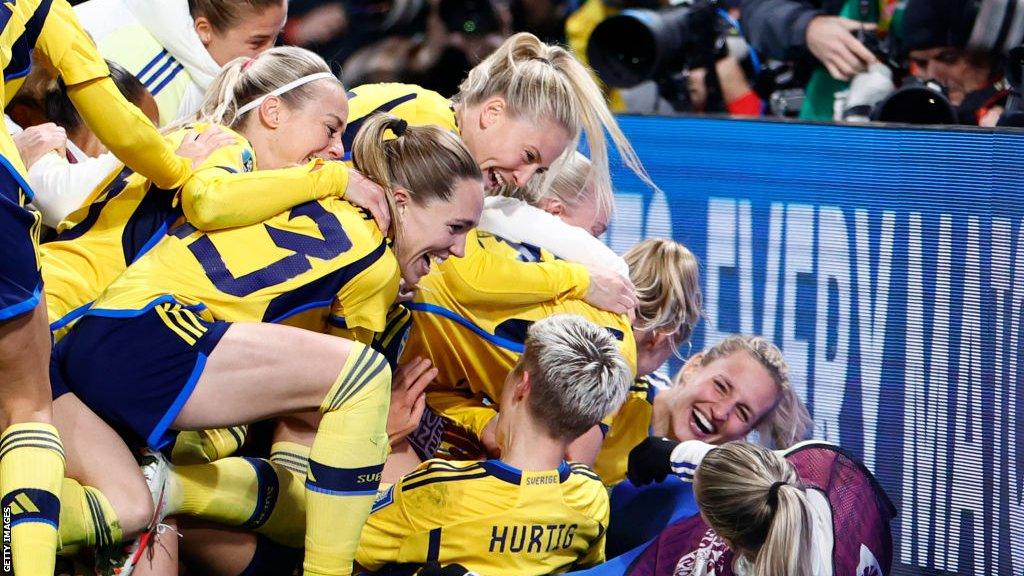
(133, 505)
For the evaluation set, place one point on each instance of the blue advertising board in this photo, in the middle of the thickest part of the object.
(888, 264)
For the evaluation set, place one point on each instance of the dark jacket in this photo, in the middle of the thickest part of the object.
(778, 28)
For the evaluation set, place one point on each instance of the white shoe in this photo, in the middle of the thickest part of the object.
(156, 469)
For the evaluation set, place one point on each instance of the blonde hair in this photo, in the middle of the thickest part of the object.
(788, 422)
(426, 161)
(667, 280)
(568, 183)
(245, 79)
(771, 533)
(577, 374)
(539, 80)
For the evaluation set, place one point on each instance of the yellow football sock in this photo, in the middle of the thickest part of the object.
(207, 445)
(345, 462)
(31, 471)
(86, 517)
(248, 493)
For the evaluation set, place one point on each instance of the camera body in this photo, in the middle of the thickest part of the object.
(647, 42)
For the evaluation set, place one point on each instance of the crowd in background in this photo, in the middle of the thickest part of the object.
(824, 60)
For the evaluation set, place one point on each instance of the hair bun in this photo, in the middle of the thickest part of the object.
(399, 127)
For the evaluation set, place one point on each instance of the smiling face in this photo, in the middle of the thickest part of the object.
(256, 31)
(511, 150)
(716, 403)
(436, 229)
(285, 136)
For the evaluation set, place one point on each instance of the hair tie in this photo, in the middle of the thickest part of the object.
(773, 494)
(399, 127)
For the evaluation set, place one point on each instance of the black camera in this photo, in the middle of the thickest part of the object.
(640, 44)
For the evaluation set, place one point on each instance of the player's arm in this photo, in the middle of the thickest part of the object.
(116, 122)
(483, 277)
(220, 195)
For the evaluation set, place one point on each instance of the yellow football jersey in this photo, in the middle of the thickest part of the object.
(325, 255)
(631, 424)
(470, 317)
(489, 517)
(414, 104)
(126, 215)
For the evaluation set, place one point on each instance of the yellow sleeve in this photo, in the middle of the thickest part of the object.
(67, 48)
(361, 307)
(128, 133)
(385, 530)
(483, 277)
(120, 125)
(219, 196)
(471, 413)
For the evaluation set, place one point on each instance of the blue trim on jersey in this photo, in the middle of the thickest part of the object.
(503, 471)
(505, 343)
(5, 163)
(170, 62)
(70, 317)
(167, 80)
(337, 321)
(8, 78)
(160, 233)
(320, 490)
(155, 440)
(118, 313)
(300, 309)
(23, 306)
(564, 471)
(151, 63)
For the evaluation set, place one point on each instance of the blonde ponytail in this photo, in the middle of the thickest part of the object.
(539, 80)
(243, 80)
(667, 279)
(753, 498)
(425, 161)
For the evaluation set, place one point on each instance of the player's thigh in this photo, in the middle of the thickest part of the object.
(24, 366)
(260, 371)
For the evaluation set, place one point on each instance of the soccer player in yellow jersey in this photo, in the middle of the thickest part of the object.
(31, 457)
(529, 513)
(190, 325)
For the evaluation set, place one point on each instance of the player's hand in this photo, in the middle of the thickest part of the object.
(610, 291)
(36, 141)
(366, 193)
(489, 437)
(650, 460)
(408, 397)
(831, 40)
(197, 147)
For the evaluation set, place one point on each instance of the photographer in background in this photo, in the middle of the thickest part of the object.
(668, 57)
(948, 43)
(825, 38)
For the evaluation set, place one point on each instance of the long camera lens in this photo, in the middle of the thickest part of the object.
(638, 45)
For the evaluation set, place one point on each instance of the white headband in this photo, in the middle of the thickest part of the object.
(289, 86)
